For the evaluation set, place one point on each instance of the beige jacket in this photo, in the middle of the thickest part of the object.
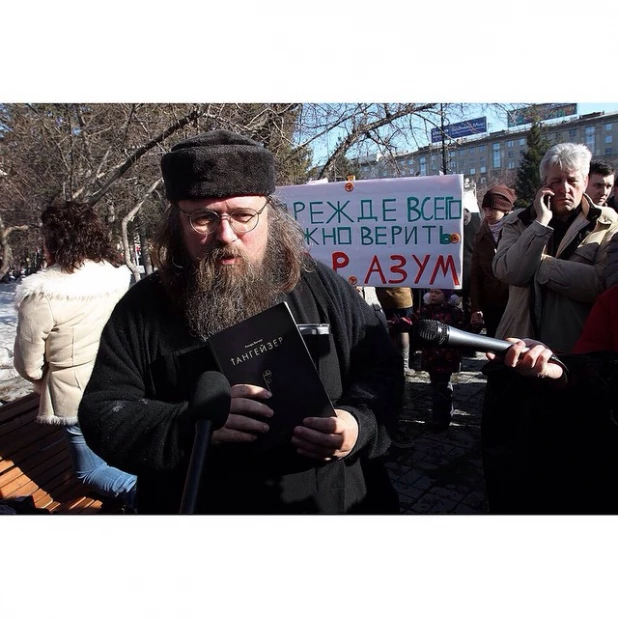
(60, 317)
(550, 297)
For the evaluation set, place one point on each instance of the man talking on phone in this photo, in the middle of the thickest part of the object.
(553, 253)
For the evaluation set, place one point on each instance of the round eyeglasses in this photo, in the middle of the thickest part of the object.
(242, 220)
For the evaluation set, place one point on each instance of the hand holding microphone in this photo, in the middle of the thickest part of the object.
(533, 359)
(538, 360)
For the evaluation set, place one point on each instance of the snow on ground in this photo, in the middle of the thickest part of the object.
(12, 386)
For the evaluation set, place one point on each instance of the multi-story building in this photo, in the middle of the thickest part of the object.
(495, 157)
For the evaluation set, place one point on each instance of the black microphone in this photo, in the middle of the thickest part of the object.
(432, 332)
(210, 406)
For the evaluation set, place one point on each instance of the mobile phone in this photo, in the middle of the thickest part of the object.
(547, 201)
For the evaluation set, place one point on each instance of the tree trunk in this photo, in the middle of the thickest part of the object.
(145, 248)
(6, 252)
(124, 227)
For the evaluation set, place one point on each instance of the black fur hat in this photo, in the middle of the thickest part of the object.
(217, 164)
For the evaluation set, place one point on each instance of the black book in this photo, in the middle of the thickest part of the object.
(268, 350)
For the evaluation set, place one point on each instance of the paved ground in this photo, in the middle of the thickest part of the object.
(440, 473)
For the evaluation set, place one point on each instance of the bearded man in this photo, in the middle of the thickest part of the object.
(227, 250)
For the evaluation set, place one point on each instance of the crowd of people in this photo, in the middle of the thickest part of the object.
(125, 370)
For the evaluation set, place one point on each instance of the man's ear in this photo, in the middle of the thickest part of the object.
(587, 180)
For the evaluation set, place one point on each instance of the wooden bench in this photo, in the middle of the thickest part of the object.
(35, 461)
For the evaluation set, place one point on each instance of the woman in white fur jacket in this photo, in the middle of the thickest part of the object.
(61, 312)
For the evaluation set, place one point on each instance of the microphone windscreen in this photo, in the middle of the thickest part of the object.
(430, 332)
(211, 398)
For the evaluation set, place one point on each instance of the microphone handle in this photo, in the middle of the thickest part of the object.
(203, 435)
(460, 338)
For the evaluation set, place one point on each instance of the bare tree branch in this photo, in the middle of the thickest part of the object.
(140, 152)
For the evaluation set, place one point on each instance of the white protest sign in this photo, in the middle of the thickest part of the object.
(388, 232)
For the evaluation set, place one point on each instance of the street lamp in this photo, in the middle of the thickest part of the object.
(442, 134)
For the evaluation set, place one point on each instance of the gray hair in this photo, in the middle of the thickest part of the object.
(568, 156)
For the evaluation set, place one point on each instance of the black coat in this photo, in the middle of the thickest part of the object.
(134, 410)
(551, 450)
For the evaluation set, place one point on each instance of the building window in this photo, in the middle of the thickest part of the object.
(483, 169)
(472, 171)
(423, 166)
(472, 151)
(590, 140)
(509, 154)
(511, 165)
(609, 151)
(609, 139)
(509, 144)
(522, 141)
(482, 148)
(608, 127)
(572, 133)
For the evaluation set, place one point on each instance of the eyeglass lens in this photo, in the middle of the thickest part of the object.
(206, 222)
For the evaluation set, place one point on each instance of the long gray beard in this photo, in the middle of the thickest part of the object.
(219, 296)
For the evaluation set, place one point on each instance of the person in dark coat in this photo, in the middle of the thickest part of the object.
(600, 182)
(489, 295)
(550, 445)
(227, 250)
(471, 226)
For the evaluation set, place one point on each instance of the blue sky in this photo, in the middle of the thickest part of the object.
(496, 121)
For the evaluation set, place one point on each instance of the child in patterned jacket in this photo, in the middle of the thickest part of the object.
(440, 362)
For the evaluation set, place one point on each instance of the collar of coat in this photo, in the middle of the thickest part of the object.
(92, 280)
(591, 211)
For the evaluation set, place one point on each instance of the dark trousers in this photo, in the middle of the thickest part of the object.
(441, 396)
(547, 450)
(492, 317)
